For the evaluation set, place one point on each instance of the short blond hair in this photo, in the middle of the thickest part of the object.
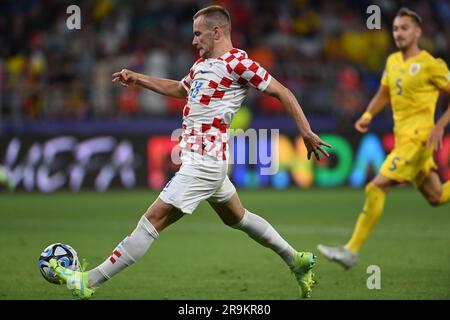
(215, 16)
(407, 12)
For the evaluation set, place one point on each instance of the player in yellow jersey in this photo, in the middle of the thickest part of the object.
(411, 81)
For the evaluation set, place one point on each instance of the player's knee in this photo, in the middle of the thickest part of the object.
(236, 220)
(157, 219)
(372, 187)
(434, 200)
(150, 216)
(231, 221)
(433, 196)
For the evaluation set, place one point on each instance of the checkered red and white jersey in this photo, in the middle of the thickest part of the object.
(216, 89)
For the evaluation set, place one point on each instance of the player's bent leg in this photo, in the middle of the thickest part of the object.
(236, 216)
(371, 213)
(376, 192)
(432, 189)
(230, 211)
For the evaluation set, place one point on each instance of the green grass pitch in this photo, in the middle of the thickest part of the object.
(200, 258)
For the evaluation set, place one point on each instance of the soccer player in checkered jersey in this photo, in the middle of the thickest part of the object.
(215, 87)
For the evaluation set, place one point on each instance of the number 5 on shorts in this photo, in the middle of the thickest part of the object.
(394, 163)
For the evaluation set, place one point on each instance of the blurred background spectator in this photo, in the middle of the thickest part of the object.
(321, 50)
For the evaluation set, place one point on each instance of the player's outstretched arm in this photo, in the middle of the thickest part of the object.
(435, 139)
(165, 87)
(312, 142)
(378, 102)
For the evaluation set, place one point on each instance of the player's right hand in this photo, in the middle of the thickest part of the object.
(362, 125)
(126, 77)
(313, 145)
(436, 137)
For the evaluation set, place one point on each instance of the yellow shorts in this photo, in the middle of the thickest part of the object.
(409, 162)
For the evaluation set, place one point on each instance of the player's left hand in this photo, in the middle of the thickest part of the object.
(362, 125)
(313, 145)
(435, 139)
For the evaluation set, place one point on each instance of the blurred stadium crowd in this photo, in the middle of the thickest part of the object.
(321, 50)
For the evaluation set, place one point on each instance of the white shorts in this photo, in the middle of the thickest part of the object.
(199, 178)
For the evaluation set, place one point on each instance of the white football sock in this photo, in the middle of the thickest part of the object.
(262, 232)
(126, 253)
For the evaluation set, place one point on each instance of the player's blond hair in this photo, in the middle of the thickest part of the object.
(215, 16)
(406, 12)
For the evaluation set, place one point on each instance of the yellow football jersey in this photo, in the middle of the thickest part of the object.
(414, 89)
